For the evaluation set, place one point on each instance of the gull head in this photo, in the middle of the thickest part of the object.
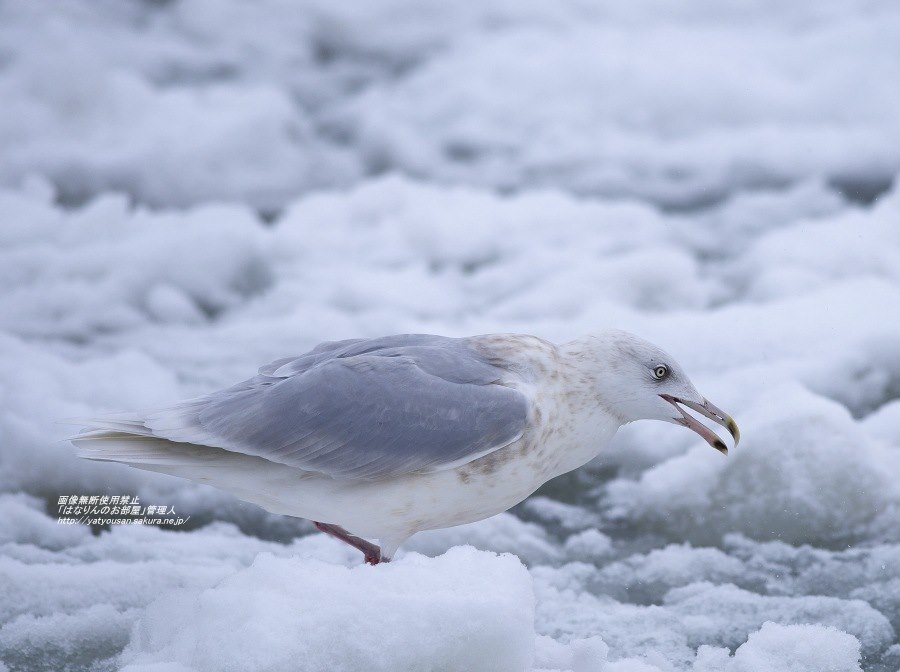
(639, 381)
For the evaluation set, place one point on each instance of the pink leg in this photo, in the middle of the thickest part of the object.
(370, 550)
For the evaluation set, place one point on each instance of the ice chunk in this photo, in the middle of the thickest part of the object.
(589, 546)
(468, 609)
(724, 614)
(66, 640)
(646, 578)
(107, 267)
(808, 254)
(788, 648)
(772, 485)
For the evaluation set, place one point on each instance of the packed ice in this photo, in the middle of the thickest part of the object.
(190, 190)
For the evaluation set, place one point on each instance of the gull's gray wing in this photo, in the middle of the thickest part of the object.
(361, 409)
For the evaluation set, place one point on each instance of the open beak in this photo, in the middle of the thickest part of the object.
(709, 410)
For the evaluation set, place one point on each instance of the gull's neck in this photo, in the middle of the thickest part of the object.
(587, 424)
(590, 360)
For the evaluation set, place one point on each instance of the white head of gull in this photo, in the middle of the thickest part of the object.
(382, 438)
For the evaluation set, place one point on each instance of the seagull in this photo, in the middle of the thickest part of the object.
(385, 437)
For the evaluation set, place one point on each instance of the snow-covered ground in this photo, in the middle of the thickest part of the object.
(191, 189)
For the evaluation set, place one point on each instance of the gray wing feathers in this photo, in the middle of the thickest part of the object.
(360, 409)
(288, 366)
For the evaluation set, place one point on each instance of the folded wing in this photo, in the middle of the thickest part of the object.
(356, 410)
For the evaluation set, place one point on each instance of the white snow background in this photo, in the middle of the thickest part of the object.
(191, 188)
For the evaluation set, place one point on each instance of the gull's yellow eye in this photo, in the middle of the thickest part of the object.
(661, 372)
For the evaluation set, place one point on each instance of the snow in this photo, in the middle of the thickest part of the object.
(467, 606)
(189, 190)
(796, 441)
(793, 648)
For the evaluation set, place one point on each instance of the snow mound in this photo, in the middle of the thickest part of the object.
(110, 267)
(464, 610)
(724, 614)
(787, 648)
(771, 485)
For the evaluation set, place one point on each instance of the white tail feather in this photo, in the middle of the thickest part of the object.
(112, 445)
(250, 478)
